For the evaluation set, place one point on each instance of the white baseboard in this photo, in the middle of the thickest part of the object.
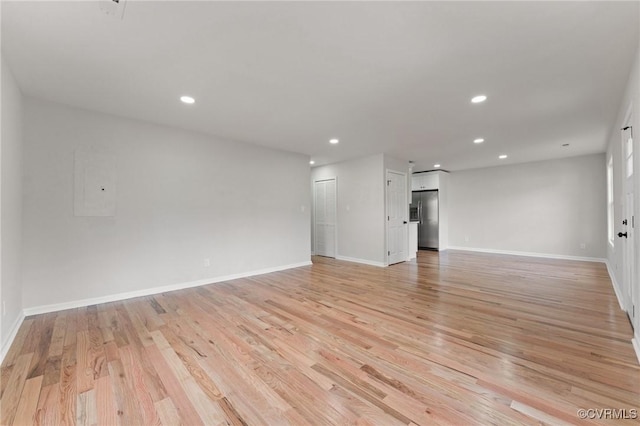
(530, 254)
(636, 346)
(35, 310)
(6, 344)
(363, 261)
(614, 283)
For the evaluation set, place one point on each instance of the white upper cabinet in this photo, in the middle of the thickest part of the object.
(416, 182)
(424, 181)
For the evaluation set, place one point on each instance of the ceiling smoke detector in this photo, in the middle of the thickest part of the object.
(114, 8)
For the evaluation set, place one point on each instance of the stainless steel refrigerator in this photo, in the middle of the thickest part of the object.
(424, 209)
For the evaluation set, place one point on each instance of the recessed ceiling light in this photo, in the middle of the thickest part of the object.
(436, 165)
(187, 99)
(333, 141)
(478, 99)
(479, 140)
(502, 157)
(312, 162)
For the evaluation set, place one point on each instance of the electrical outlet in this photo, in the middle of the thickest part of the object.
(4, 307)
(207, 262)
(466, 238)
(583, 246)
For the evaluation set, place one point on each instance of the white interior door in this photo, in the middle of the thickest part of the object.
(397, 227)
(627, 235)
(325, 217)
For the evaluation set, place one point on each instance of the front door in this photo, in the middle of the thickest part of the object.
(628, 224)
(397, 209)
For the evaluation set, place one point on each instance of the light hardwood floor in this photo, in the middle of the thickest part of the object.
(454, 338)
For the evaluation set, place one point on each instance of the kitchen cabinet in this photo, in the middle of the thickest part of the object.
(416, 183)
(425, 181)
(413, 240)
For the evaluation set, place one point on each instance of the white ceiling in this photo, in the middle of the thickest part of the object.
(381, 76)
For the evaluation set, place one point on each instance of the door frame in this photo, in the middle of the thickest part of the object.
(405, 218)
(313, 214)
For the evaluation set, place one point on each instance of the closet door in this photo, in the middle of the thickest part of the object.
(325, 217)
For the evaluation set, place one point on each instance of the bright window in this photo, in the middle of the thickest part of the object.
(610, 200)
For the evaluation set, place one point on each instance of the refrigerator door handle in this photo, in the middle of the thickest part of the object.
(420, 211)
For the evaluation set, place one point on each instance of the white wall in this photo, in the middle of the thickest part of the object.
(11, 205)
(443, 207)
(614, 150)
(360, 207)
(547, 207)
(181, 197)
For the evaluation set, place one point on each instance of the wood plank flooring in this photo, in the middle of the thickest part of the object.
(452, 338)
